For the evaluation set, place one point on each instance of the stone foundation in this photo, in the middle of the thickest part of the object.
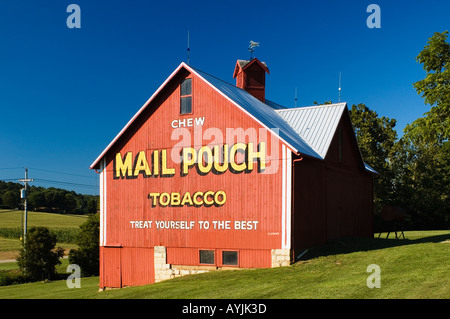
(164, 271)
(281, 257)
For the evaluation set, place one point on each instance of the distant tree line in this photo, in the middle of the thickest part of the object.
(414, 170)
(50, 199)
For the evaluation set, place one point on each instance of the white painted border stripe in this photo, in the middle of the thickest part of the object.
(104, 201)
(286, 158)
(283, 195)
(288, 197)
(101, 203)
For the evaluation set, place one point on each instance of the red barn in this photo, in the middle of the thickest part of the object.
(208, 175)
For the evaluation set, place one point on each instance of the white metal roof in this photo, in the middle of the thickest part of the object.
(316, 125)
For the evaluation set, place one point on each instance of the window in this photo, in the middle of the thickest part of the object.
(207, 257)
(186, 96)
(230, 258)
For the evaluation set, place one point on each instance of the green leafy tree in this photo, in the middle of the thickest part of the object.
(36, 199)
(423, 161)
(376, 139)
(39, 257)
(435, 88)
(11, 199)
(92, 206)
(87, 255)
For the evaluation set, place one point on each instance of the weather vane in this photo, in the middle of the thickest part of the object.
(252, 47)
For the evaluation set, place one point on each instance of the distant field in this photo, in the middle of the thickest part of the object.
(415, 268)
(13, 219)
(11, 229)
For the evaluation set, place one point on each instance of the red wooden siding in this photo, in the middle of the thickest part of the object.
(332, 198)
(110, 267)
(137, 266)
(182, 256)
(296, 203)
(122, 267)
(251, 196)
(255, 258)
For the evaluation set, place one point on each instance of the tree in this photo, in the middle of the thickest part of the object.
(424, 150)
(36, 200)
(87, 256)
(435, 87)
(376, 139)
(38, 258)
(69, 203)
(92, 206)
(11, 199)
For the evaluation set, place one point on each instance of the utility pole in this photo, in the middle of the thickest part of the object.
(24, 195)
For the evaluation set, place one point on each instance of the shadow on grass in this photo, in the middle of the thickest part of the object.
(350, 245)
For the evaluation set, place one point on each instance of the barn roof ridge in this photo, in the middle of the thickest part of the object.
(267, 114)
(260, 111)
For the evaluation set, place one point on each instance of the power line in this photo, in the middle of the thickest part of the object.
(48, 171)
(64, 183)
(71, 174)
(54, 182)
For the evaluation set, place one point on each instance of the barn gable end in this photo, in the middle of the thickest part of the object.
(207, 176)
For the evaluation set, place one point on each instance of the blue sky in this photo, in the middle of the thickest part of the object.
(66, 93)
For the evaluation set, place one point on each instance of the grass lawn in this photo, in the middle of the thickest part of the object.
(415, 268)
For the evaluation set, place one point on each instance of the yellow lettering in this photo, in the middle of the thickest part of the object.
(260, 155)
(205, 198)
(217, 160)
(123, 168)
(142, 165)
(156, 162)
(154, 198)
(216, 198)
(234, 149)
(196, 202)
(164, 170)
(174, 199)
(199, 199)
(164, 199)
(189, 159)
(205, 169)
(187, 199)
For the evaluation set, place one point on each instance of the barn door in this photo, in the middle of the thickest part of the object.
(111, 267)
(137, 266)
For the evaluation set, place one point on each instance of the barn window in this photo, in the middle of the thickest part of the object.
(207, 257)
(186, 96)
(230, 258)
